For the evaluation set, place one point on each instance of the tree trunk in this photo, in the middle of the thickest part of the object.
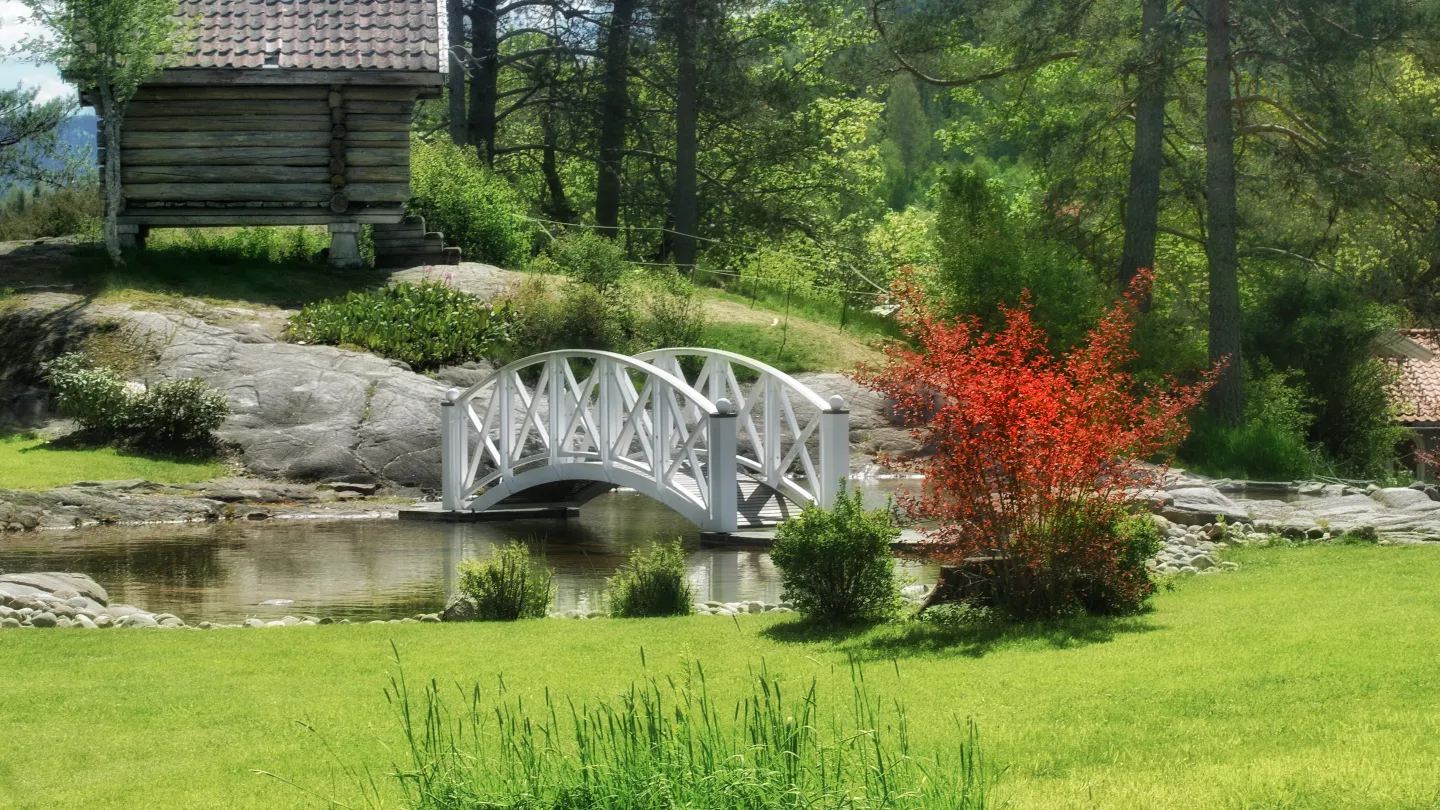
(1227, 398)
(112, 115)
(686, 211)
(458, 65)
(614, 106)
(484, 77)
(1142, 206)
(560, 209)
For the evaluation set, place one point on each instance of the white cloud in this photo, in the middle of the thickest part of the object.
(16, 25)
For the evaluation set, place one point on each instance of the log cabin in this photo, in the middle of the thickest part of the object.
(283, 112)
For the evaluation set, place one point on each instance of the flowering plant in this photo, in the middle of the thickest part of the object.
(1037, 458)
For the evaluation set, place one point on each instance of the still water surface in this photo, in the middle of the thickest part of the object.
(363, 569)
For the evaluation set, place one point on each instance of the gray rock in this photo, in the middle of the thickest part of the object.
(103, 621)
(139, 620)
(290, 621)
(53, 582)
(121, 611)
(173, 621)
(46, 619)
(466, 375)
(459, 608)
(61, 622)
(10, 622)
(252, 622)
(84, 621)
(1406, 499)
(430, 618)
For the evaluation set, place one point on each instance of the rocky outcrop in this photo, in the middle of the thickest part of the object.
(873, 426)
(1399, 514)
(306, 413)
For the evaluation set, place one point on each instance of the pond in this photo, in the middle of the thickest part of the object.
(367, 569)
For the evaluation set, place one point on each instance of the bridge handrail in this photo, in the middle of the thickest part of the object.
(741, 360)
(630, 361)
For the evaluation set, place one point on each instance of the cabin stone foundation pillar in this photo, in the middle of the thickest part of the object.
(132, 237)
(344, 244)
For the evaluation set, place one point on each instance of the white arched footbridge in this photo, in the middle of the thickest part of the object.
(726, 441)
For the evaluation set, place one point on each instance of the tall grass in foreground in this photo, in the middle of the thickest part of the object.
(666, 743)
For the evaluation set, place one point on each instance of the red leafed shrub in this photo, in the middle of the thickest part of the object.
(1037, 458)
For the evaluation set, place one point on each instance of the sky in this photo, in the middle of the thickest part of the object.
(15, 25)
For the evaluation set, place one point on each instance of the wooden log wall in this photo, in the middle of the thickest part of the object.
(326, 148)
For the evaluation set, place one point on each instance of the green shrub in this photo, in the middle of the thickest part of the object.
(473, 207)
(652, 583)
(178, 416)
(1270, 446)
(508, 586)
(427, 325)
(1127, 588)
(64, 211)
(256, 244)
(589, 258)
(835, 564)
(576, 316)
(674, 314)
(1323, 327)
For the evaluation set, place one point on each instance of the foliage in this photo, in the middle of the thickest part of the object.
(653, 583)
(461, 198)
(427, 325)
(1323, 329)
(510, 585)
(62, 211)
(674, 314)
(590, 259)
(28, 462)
(990, 257)
(835, 564)
(1270, 446)
(178, 416)
(29, 143)
(1125, 588)
(574, 316)
(298, 245)
(1036, 455)
(666, 743)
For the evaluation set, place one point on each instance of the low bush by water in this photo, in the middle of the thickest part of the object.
(836, 564)
(652, 583)
(510, 585)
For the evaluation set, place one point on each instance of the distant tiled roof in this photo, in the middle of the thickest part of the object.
(1417, 392)
(314, 34)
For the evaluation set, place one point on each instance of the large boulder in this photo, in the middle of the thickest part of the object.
(309, 413)
(1198, 505)
(873, 426)
(51, 582)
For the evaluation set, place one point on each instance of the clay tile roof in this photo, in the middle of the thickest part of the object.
(314, 34)
(1417, 391)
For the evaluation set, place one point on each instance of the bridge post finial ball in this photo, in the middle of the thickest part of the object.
(722, 405)
(837, 403)
(452, 394)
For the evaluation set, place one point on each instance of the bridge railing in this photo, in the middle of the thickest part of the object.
(793, 440)
(639, 422)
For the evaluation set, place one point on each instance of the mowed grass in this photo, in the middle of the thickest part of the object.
(1309, 679)
(28, 462)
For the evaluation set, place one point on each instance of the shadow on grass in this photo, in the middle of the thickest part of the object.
(915, 638)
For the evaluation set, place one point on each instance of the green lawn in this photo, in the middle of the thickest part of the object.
(1307, 680)
(27, 462)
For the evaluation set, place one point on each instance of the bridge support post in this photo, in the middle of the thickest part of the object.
(452, 451)
(834, 451)
(723, 471)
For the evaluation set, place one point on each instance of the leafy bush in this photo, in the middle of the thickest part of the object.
(473, 207)
(64, 211)
(508, 586)
(653, 583)
(1323, 328)
(1270, 446)
(990, 256)
(674, 316)
(427, 325)
(1125, 588)
(1037, 457)
(173, 416)
(666, 743)
(835, 564)
(576, 316)
(590, 258)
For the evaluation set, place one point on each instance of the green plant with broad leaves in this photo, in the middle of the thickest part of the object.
(427, 325)
(835, 564)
